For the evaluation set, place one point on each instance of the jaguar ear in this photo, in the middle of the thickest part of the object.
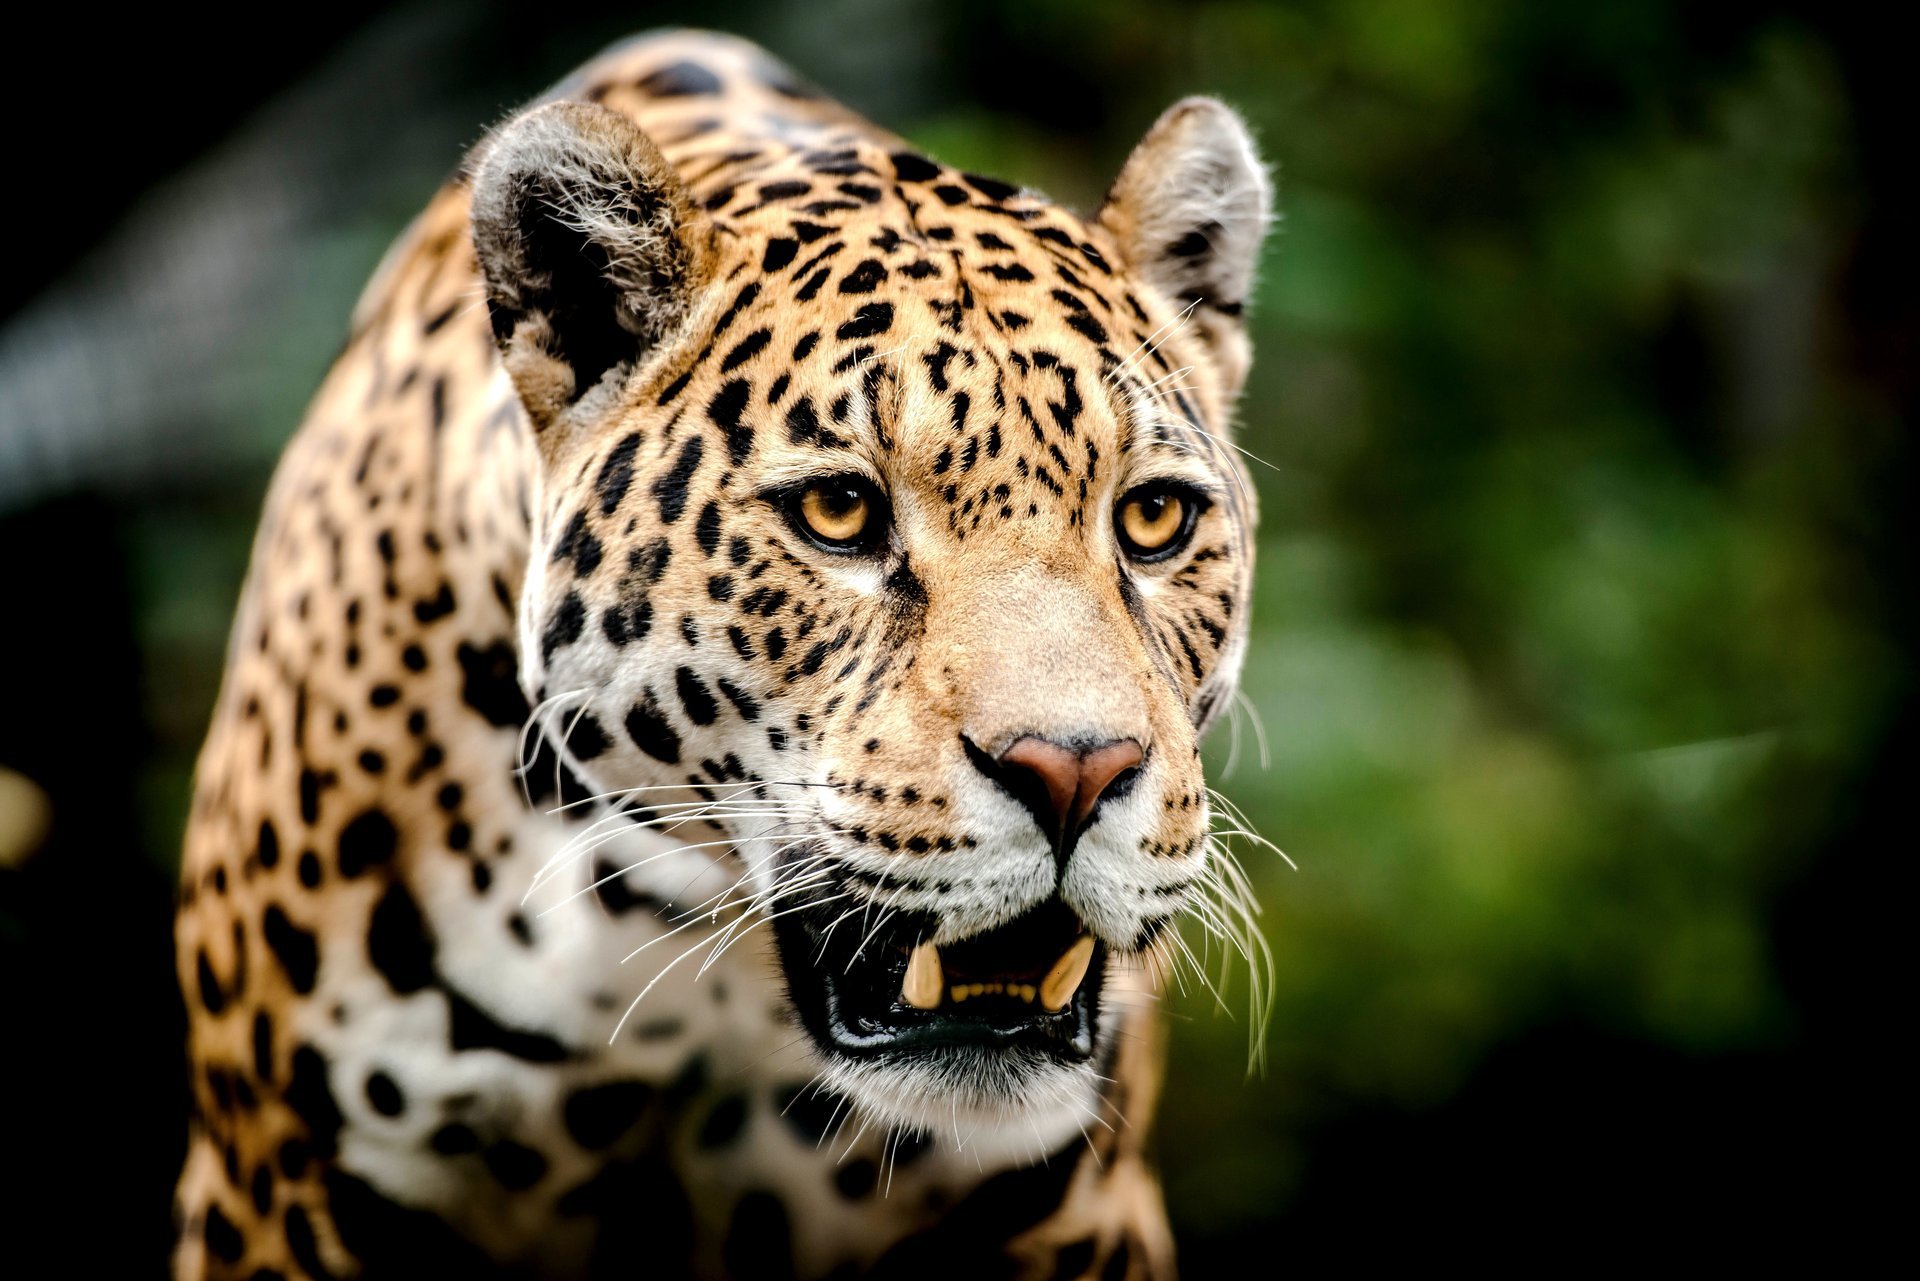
(592, 250)
(1190, 210)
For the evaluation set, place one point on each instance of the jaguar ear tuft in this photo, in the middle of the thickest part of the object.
(592, 250)
(1190, 210)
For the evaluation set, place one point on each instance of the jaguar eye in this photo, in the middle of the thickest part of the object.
(841, 513)
(1155, 521)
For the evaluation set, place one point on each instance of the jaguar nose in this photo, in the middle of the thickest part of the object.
(1061, 785)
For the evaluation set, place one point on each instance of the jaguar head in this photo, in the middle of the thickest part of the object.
(890, 550)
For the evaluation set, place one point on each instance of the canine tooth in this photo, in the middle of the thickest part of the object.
(959, 992)
(924, 981)
(1025, 992)
(1063, 980)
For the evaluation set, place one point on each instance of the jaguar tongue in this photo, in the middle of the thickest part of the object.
(924, 982)
(1063, 980)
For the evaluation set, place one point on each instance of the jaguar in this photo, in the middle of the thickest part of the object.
(707, 778)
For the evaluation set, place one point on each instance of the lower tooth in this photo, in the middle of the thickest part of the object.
(1064, 979)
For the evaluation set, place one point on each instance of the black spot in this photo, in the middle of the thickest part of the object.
(741, 300)
(706, 530)
(779, 253)
(950, 194)
(678, 385)
(309, 869)
(759, 1241)
(579, 545)
(515, 1166)
(310, 787)
(294, 1155)
(436, 608)
(803, 425)
(679, 80)
(311, 1098)
(267, 848)
(1086, 324)
(262, 1191)
(726, 408)
(856, 1179)
(223, 1239)
(454, 1139)
(610, 887)
(366, 841)
(472, 1028)
(650, 560)
(746, 349)
(743, 702)
(724, 1122)
(413, 658)
(384, 1096)
(597, 1115)
(1191, 245)
(991, 188)
(398, 942)
(695, 697)
(764, 601)
(865, 278)
(300, 1244)
(210, 994)
(296, 949)
(629, 621)
(912, 168)
(616, 474)
(652, 735)
(263, 1046)
(564, 627)
(872, 318)
(671, 489)
(811, 1113)
(784, 190)
(585, 739)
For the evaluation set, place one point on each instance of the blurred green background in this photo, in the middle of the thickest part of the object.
(1579, 678)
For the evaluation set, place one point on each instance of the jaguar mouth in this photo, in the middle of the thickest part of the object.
(1029, 986)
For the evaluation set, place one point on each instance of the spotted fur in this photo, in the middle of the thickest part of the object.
(523, 560)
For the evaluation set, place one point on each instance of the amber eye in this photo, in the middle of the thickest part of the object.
(1155, 521)
(840, 513)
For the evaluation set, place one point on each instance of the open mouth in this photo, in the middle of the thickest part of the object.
(1032, 985)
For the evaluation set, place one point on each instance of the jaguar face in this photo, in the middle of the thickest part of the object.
(889, 553)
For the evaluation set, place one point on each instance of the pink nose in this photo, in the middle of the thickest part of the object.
(1071, 781)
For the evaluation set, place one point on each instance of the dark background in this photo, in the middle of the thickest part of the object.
(1584, 375)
